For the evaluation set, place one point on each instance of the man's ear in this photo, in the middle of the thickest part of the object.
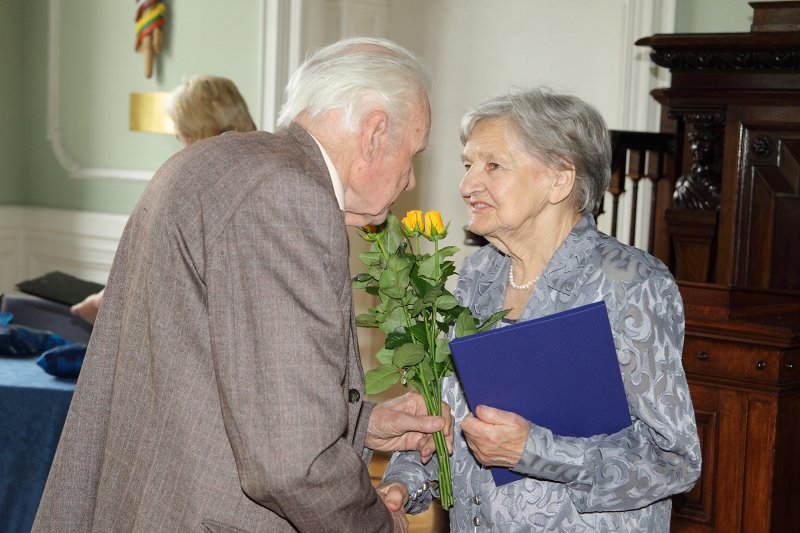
(563, 181)
(374, 134)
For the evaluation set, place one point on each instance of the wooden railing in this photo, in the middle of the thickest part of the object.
(638, 156)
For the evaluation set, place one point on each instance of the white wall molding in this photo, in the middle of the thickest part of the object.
(74, 168)
(290, 28)
(281, 32)
(12, 247)
(34, 241)
(638, 110)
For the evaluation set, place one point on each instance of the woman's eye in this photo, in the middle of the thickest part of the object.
(492, 166)
(467, 166)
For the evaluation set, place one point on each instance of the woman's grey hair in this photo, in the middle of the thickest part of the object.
(353, 74)
(561, 130)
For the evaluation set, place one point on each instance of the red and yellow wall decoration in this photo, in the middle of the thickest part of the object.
(149, 31)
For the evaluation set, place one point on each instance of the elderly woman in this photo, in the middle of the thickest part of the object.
(536, 167)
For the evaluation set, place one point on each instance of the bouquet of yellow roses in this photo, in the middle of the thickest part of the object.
(416, 312)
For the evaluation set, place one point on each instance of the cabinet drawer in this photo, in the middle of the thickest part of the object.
(740, 361)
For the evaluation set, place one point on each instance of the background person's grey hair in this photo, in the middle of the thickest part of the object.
(351, 75)
(559, 129)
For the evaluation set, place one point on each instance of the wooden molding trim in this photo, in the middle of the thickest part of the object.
(35, 240)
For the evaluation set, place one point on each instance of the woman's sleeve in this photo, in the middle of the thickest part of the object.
(659, 455)
(406, 468)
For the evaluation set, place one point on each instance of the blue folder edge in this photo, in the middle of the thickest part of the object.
(559, 371)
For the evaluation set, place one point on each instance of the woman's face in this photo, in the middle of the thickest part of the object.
(505, 188)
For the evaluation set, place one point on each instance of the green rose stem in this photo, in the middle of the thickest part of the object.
(433, 400)
(415, 283)
(445, 482)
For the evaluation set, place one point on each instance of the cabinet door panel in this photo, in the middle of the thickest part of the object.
(759, 464)
(714, 504)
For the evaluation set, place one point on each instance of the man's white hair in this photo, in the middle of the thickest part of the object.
(352, 75)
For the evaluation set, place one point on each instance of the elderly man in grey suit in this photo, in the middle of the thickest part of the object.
(222, 385)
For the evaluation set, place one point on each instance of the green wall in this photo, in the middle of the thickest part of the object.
(11, 93)
(98, 70)
(713, 16)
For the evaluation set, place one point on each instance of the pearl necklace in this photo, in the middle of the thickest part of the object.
(524, 286)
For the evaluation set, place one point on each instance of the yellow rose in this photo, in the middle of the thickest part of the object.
(413, 221)
(433, 223)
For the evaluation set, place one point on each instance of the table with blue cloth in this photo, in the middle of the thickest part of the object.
(33, 407)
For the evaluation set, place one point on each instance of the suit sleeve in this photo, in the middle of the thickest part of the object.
(278, 290)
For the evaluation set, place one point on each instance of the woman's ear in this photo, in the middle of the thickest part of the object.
(563, 181)
(374, 134)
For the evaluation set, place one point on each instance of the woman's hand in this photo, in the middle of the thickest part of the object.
(88, 308)
(394, 497)
(496, 437)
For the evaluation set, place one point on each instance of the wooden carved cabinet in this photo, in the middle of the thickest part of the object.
(733, 234)
(744, 378)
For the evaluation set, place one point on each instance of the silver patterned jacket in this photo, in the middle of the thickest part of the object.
(607, 483)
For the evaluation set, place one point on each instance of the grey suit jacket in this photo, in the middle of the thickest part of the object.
(214, 396)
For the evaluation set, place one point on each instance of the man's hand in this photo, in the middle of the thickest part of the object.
(394, 497)
(496, 437)
(403, 424)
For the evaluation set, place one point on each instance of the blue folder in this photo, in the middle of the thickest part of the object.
(560, 372)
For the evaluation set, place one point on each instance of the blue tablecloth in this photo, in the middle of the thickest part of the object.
(33, 406)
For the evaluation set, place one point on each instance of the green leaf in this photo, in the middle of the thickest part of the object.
(397, 338)
(442, 350)
(419, 332)
(395, 238)
(408, 355)
(366, 320)
(394, 319)
(362, 281)
(417, 307)
(394, 280)
(432, 295)
(370, 258)
(380, 379)
(465, 324)
(447, 251)
(421, 287)
(427, 370)
(384, 356)
(446, 301)
(448, 270)
(372, 289)
(493, 320)
(427, 267)
(375, 272)
(361, 278)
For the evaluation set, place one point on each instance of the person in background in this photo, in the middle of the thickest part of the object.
(222, 389)
(536, 166)
(201, 107)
